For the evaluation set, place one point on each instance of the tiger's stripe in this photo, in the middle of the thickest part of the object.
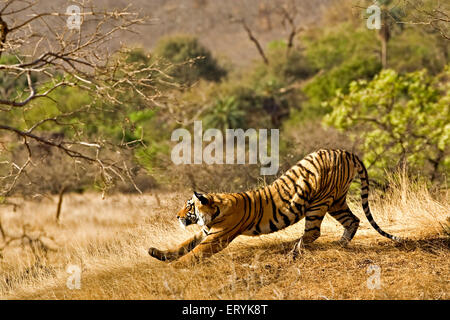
(315, 185)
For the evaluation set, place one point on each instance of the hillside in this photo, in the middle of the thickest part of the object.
(209, 20)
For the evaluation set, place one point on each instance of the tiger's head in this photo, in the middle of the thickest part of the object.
(201, 210)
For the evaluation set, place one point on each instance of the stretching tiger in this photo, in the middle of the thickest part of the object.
(314, 186)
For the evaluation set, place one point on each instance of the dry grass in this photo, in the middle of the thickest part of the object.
(109, 238)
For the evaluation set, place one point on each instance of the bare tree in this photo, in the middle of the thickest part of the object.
(253, 39)
(44, 50)
(288, 13)
(433, 14)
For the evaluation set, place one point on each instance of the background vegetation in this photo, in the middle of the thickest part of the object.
(328, 76)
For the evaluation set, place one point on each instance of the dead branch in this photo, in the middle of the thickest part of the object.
(35, 242)
(437, 18)
(46, 55)
(254, 40)
(289, 15)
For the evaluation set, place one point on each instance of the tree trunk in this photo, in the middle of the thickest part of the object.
(60, 199)
(384, 34)
(383, 53)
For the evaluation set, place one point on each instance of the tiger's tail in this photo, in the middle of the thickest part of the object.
(362, 171)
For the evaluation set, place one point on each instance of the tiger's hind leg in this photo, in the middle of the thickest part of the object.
(313, 222)
(349, 221)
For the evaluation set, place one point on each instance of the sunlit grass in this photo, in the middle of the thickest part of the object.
(109, 239)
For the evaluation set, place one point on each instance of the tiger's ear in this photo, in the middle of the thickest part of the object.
(201, 197)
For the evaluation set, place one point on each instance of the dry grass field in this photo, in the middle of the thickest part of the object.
(108, 239)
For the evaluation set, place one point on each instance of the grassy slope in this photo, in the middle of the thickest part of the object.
(109, 238)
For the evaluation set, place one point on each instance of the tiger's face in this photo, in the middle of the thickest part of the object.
(200, 210)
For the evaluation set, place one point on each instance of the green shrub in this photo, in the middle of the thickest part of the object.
(413, 50)
(324, 86)
(192, 61)
(401, 119)
(224, 114)
(342, 54)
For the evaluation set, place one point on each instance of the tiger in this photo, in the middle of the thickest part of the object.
(316, 185)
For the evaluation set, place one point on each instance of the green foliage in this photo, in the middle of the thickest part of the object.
(12, 87)
(60, 101)
(214, 100)
(287, 65)
(331, 47)
(267, 92)
(400, 119)
(132, 122)
(153, 156)
(397, 117)
(323, 87)
(342, 54)
(347, 52)
(191, 60)
(224, 114)
(138, 56)
(413, 49)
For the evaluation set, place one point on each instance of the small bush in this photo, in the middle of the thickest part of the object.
(192, 61)
(402, 119)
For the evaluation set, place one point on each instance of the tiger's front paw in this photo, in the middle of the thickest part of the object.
(158, 254)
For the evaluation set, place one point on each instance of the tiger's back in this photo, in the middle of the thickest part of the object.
(320, 180)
